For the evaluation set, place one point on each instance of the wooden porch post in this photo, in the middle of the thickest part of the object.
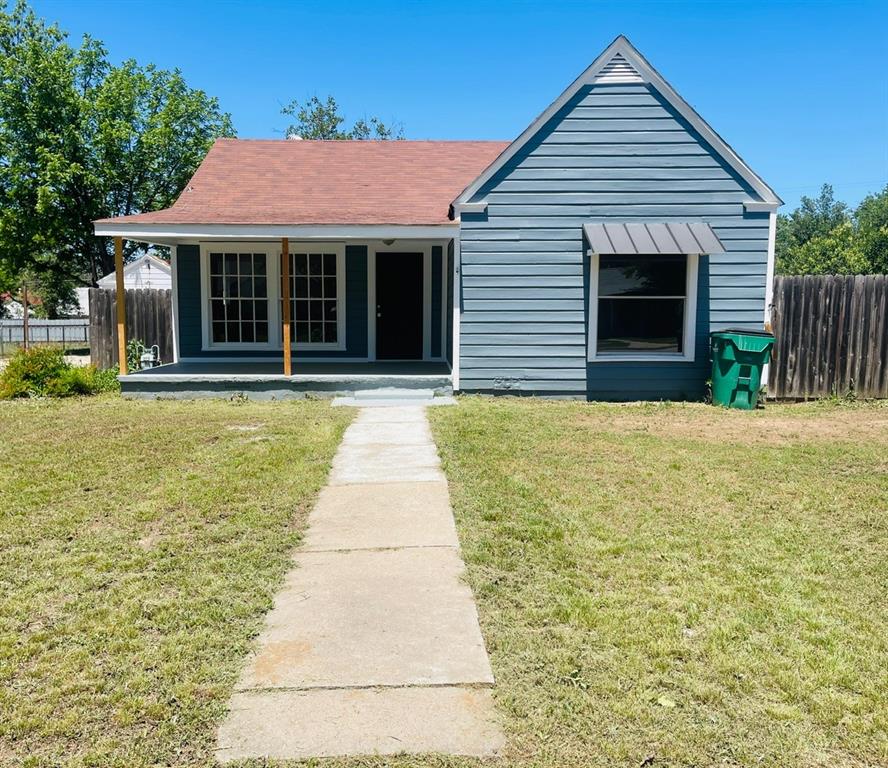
(285, 295)
(121, 305)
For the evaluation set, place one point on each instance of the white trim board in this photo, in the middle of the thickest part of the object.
(174, 284)
(622, 47)
(769, 274)
(171, 234)
(689, 328)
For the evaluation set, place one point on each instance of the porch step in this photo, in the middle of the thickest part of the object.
(392, 396)
(393, 393)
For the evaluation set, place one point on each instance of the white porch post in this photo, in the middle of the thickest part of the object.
(457, 303)
(174, 278)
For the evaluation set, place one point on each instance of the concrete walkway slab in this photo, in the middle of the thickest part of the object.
(370, 618)
(303, 724)
(388, 463)
(381, 515)
(373, 645)
(398, 433)
(390, 415)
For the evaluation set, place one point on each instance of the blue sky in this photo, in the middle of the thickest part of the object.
(799, 89)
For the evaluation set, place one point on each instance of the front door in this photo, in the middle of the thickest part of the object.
(399, 295)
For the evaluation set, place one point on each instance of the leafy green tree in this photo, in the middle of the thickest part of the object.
(824, 237)
(872, 227)
(81, 139)
(838, 252)
(316, 119)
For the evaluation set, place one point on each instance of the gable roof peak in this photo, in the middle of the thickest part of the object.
(622, 62)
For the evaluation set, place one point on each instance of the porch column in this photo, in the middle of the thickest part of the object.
(285, 295)
(121, 305)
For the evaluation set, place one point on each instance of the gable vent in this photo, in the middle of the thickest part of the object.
(618, 70)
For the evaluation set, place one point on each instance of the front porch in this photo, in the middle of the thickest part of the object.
(266, 380)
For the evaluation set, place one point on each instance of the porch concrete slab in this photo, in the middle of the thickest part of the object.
(323, 723)
(372, 618)
(398, 433)
(381, 515)
(385, 464)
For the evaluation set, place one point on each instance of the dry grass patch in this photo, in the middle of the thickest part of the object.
(677, 584)
(141, 544)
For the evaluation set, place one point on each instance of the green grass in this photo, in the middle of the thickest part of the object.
(141, 544)
(658, 585)
(677, 584)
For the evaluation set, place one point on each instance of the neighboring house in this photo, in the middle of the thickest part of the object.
(590, 257)
(147, 271)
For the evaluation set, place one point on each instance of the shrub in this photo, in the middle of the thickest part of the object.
(30, 372)
(43, 372)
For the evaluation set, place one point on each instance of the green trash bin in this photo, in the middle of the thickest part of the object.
(738, 357)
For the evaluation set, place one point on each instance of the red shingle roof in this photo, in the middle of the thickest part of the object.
(326, 182)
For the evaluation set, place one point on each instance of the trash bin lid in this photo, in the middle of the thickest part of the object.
(745, 332)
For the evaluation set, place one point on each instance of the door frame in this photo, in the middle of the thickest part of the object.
(423, 247)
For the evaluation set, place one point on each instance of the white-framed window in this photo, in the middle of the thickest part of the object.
(241, 295)
(236, 285)
(642, 307)
(317, 296)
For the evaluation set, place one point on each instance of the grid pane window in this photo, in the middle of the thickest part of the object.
(238, 298)
(314, 298)
(641, 304)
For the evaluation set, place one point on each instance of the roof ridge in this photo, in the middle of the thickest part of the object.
(266, 140)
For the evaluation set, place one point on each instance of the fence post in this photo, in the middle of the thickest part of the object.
(25, 316)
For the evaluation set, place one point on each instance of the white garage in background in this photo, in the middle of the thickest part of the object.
(147, 271)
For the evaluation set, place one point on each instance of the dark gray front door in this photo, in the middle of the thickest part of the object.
(399, 295)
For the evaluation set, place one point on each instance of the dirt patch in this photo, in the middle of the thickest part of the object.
(780, 424)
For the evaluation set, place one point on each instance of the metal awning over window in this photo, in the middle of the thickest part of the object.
(647, 238)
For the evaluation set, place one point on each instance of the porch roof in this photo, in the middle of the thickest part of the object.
(281, 182)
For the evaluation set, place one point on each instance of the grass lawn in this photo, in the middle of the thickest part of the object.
(657, 584)
(677, 584)
(140, 545)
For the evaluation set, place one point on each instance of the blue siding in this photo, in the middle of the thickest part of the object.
(188, 280)
(450, 302)
(615, 152)
(188, 287)
(437, 287)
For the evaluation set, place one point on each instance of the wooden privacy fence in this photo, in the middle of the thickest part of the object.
(148, 319)
(831, 336)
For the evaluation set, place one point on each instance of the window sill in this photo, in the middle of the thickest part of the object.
(641, 358)
(318, 347)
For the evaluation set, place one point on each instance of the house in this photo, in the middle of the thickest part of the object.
(148, 271)
(590, 257)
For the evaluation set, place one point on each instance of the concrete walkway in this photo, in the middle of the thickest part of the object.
(373, 646)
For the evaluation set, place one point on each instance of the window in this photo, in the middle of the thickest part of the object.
(238, 294)
(642, 307)
(315, 298)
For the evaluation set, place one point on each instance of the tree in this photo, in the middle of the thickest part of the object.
(823, 236)
(81, 139)
(872, 225)
(316, 119)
